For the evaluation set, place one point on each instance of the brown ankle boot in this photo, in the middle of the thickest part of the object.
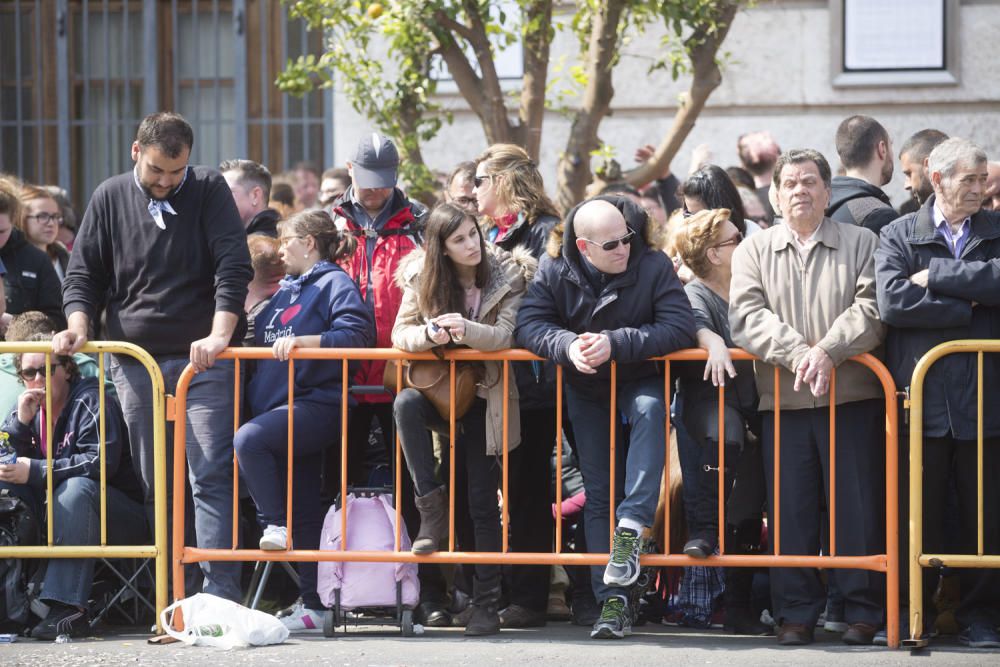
(433, 510)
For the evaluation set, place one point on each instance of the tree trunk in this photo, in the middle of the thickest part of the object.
(706, 77)
(537, 42)
(573, 172)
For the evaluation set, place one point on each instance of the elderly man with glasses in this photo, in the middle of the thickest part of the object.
(604, 297)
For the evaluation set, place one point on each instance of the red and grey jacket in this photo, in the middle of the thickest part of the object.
(397, 238)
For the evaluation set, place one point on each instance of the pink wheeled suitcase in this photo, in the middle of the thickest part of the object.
(356, 586)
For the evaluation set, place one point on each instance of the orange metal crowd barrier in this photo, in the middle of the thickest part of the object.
(885, 562)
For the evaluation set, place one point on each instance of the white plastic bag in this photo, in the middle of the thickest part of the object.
(212, 621)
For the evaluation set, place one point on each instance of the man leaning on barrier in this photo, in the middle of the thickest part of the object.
(802, 299)
(163, 247)
(605, 296)
(938, 277)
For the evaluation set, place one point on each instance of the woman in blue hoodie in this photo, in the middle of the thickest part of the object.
(317, 305)
(76, 474)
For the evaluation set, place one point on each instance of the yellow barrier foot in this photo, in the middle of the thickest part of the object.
(915, 644)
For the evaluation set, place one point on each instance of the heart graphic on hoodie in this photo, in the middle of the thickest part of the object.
(289, 313)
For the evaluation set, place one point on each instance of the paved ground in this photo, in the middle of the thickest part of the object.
(558, 644)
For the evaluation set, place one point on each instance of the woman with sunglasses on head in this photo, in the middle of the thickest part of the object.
(460, 291)
(76, 478)
(705, 242)
(316, 305)
(516, 212)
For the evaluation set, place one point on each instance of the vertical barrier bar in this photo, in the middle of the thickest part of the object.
(399, 457)
(291, 451)
(343, 458)
(721, 472)
(666, 460)
(559, 455)
(343, 453)
(892, 512)
(979, 453)
(832, 509)
(614, 423)
(236, 463)
(775, 537)
(505, 509)
(451, 456)
(102, 405)
(47, 439)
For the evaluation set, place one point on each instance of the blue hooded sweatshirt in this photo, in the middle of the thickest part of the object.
(324, 301)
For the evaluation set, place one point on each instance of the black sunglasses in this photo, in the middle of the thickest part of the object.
(613, 243)
(29, 374)
(479, 180)
(733, 241)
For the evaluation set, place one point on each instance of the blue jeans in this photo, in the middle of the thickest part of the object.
(209, 452)
(76, 517)
(644, 408)
(262, 448)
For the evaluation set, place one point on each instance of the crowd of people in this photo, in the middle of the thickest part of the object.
(779, 256)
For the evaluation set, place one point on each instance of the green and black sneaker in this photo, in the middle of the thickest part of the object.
(615, 621)
(623, 566)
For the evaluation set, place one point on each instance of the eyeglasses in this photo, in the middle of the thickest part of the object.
(479, 180)
(29, 374)
(46, 218)
(613, 243)
(733, 241)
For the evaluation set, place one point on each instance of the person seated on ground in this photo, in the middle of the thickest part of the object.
(76, 474)
(706, 242)
(318, 305)
(22, 328)
(30, 281)
(460, 290)
(268, 270)
(40, 223)
(606, 296)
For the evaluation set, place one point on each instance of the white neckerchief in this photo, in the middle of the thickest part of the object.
(156, 207)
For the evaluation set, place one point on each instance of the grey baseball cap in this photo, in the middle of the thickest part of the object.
(376, 162)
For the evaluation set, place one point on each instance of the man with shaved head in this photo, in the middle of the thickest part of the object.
(604, 297)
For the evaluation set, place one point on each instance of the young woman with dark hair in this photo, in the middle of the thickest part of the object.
(711, 188)
(317, 305)
(460, 291)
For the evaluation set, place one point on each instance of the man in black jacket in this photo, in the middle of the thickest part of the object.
(250, 184)
(609, 297)
(866, 153)
(938, 279)
(163, 246)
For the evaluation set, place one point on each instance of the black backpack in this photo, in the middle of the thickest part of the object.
(18, 526)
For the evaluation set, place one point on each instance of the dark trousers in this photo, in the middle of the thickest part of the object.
(798, 593)
(529, 485)
(262, 448)
(953, 463)
(415, 415)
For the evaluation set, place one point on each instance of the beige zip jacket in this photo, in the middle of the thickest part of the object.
(781, 305)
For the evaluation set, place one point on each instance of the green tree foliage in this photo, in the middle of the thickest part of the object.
(382, 55)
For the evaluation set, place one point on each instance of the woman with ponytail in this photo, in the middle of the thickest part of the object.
(317, 305)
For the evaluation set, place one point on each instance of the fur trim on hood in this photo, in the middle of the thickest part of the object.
(512, 265)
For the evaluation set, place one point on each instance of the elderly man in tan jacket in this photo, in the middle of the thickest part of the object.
(803, 301)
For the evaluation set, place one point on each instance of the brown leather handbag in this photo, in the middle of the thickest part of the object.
(431, 378)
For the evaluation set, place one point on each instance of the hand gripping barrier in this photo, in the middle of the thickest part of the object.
(917, 558)
(885, 562)
(157, 550)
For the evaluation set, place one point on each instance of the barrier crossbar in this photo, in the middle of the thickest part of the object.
(917, 558)
(884, 562)
(157, 550)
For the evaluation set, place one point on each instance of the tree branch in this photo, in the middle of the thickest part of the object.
(494, 119)
(703, 46)
(537, 43)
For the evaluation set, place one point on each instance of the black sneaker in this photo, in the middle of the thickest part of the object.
(62, 620)
(615, 621)
(623, 566)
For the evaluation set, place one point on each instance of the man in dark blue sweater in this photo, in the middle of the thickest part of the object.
(163, 249)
